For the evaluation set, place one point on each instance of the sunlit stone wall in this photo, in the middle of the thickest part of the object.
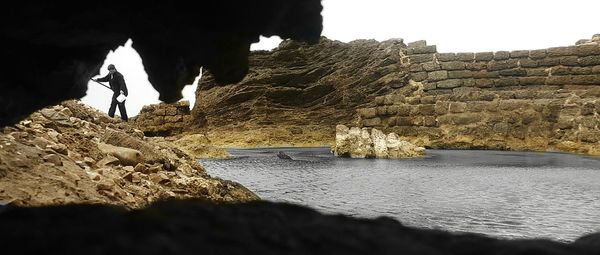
(546, 99)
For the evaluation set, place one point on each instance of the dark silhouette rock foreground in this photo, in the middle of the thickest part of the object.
(196, 227)
(50, 50)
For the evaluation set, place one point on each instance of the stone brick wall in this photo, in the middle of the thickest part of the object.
(547, 99)
(164, 119)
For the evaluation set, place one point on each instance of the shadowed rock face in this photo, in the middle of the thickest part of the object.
(50, 50)
(194, 227)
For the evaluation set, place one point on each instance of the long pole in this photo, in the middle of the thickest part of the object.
(101, 84)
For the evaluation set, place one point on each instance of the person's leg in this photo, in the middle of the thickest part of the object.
(113, 107)
(123, 111)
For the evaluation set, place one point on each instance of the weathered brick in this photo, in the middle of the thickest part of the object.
(457, 107)
(503, 64)
(560, 70)
(374, 122)
(537, 54)
(429, 121)
(484, 56)
(469, 82)
(501, 55)
(513, 72)
(431, 66)
(416, 44)
(428, 100)
(367, 113)
(586, 79)
(587, 50)
(466, 118)
(526, 62)
(426, 109)
(505, 82)
(421, 58)
(392, 110)
(588, 109)
(382, 110)
(437, 75)
(459, 74)
(519, 54)
(379, 100)
(581, 70)
(449, 84)
(188, 118)
(446, 56)
(596, 69)
(562, 51)
(389, 99)
(569, 61)
(172, 119)
(486, 74)
(453, 65)
(415, 68)
(420, 76)
(160, 112)
(476, 66)
(403, 110)
(537, 72)
(429, 86)
(465, 56)
(441, 107)
(422, 50)
(589, 60)
(532, 80)
(484, 83)
(404, 121)
(549, 61)
(559, 80)
(171, 111)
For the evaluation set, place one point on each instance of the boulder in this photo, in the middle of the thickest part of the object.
(359, 143)
(126, 156)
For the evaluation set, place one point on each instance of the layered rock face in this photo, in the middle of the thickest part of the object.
(298, 84)
(360, 143)
(53, 49)
(70, 153)
(164, 119)
(543, 100)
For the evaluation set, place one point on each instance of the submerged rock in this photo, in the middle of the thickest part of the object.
(282, 155)
(359, 143)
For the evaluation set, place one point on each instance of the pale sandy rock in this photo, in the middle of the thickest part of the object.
(380, 147)
(126, 156)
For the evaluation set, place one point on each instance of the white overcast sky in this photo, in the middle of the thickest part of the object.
(451, 25)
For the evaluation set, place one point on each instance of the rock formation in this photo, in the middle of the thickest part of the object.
(360, 143)
(164, 119)
(70, 153)
(543, 100)
(194, 227)
(51, 50)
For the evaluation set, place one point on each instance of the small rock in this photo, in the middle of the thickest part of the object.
(41, 142)
(89, 161)
(128, 176)
(160, 178)
(108, 160)
(54, 159)
(155, 168)
(141, 168)
(105, 185)
(282, 155)
(60, 148)
(136, 177)
(93, 176)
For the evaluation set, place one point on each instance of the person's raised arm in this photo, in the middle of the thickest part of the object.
(103, 79)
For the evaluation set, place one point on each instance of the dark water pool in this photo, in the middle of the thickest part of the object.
(503, 194)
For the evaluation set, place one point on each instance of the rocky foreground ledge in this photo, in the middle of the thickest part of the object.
(362, 143)
(71, 153)
(194, 227)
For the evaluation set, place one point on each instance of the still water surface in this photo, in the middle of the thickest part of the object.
(502, 194)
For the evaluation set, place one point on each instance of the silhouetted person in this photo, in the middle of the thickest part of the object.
(118, 86)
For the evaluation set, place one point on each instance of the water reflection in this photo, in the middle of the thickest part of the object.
(506, 194)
